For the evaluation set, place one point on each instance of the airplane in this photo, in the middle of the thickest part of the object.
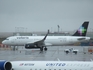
(43, 42)
(46, 65)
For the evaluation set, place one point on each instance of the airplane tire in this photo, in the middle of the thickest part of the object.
(75, 52)
(67, 52)
(45, 49)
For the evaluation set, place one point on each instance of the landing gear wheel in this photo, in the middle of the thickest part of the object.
(45, 49)
(67, 52)
(75, 52)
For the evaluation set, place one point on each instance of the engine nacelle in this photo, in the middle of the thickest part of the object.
(31, 46)
(4, 65)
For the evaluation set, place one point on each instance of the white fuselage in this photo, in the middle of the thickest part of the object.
(50, 40)
(52, 65)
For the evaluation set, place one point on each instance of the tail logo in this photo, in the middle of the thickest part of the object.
(81, 30)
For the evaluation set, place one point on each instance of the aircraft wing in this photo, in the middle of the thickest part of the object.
(40, 42)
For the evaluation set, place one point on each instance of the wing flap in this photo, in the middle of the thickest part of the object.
(40, 42)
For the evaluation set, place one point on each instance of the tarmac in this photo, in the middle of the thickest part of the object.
(54, 53)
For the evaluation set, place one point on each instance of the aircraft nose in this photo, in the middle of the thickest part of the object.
(3, 42)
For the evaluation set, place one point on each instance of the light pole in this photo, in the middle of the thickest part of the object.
(58, 28)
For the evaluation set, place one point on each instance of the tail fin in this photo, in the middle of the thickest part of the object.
(82, 30)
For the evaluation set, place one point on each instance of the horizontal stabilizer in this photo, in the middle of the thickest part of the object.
(81, 38)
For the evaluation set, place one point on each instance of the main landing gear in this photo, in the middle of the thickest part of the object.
(41, 48)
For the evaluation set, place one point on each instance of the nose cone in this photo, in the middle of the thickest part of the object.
(3, 42)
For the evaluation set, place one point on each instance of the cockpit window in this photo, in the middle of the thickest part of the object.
(7, 39)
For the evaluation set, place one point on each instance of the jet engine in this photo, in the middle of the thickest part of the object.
(31, 46)
(4, 65)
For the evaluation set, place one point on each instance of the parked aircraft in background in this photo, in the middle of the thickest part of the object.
(46, 65)
(42, 42)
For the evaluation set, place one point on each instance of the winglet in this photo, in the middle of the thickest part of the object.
(82, 30)
(46, 35)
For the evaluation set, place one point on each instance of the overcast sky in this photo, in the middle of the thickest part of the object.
(41, 15)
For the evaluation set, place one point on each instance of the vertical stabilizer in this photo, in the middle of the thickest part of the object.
(82, 30)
